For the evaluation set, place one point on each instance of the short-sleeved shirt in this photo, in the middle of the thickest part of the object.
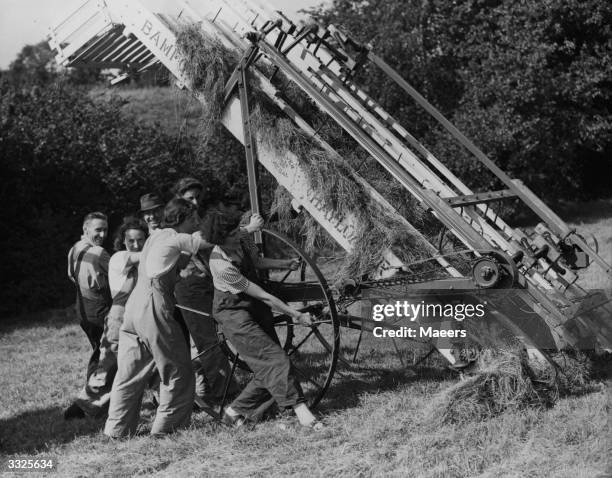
(153, 295)
(166, 246)
(92, 277)
(227, 277)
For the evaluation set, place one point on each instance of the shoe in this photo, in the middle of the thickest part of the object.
(74, 412)
(202, 405)
(286, 423)
(315, 425)
(233, 421)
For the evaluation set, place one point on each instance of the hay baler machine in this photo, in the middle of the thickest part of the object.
(529, 281)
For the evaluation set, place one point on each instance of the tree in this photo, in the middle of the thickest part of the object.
(527, 81)
(63, 156)
(36, 65)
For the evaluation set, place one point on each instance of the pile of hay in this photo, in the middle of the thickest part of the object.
(208, 65)
(505, 380)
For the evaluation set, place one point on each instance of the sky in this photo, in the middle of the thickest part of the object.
(24, 22)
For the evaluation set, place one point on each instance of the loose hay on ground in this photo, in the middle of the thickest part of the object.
(504, 380)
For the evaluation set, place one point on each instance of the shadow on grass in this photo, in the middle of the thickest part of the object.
(348, 386)
(54, 318)
(39, 430)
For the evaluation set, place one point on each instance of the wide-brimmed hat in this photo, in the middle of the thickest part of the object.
(185, 184)
(150, 201)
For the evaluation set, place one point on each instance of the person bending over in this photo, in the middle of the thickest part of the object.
(153, 334)
(195, 290)
(243, 308)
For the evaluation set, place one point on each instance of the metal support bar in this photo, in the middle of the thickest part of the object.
(445, 213)
(479, 198)
(232, 82)
(530, 199)
(297, 40)
(249, 146)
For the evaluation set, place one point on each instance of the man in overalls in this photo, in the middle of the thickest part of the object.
(88, 269)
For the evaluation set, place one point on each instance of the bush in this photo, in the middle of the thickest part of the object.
(528, 82)
(64, 156)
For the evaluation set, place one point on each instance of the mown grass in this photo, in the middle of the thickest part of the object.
(381, 421)
(382, 425)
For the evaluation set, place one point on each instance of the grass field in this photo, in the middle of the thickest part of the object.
(174, 109)
(380, 421)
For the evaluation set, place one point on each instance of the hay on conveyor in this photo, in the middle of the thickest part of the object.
(506, 381)
(208, 65)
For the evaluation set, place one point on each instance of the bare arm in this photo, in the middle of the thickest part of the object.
(70, 265)
(275, 303)
(255, 224)
(204, 244)
(267, 263)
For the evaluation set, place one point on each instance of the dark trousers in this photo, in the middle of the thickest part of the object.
(247, 323)
(94, 335)
(212, 368)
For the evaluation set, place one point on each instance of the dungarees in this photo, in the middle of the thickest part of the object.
(94, 398)
(153, 335)
(247, 323)
(90, 310)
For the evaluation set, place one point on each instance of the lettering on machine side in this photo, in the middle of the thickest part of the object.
(167, 47)
(346, 230)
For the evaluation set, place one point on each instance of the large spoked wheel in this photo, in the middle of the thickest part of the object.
(313, 349)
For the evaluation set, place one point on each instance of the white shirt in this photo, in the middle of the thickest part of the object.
(165, 248)
(118, 271)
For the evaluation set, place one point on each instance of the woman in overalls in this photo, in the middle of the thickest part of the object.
(153, 334)
(243, 309)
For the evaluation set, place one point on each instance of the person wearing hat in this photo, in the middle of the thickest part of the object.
(195, 290)
(152, 210)
(153, 335)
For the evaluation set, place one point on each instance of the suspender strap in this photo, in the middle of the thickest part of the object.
(75, 267)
